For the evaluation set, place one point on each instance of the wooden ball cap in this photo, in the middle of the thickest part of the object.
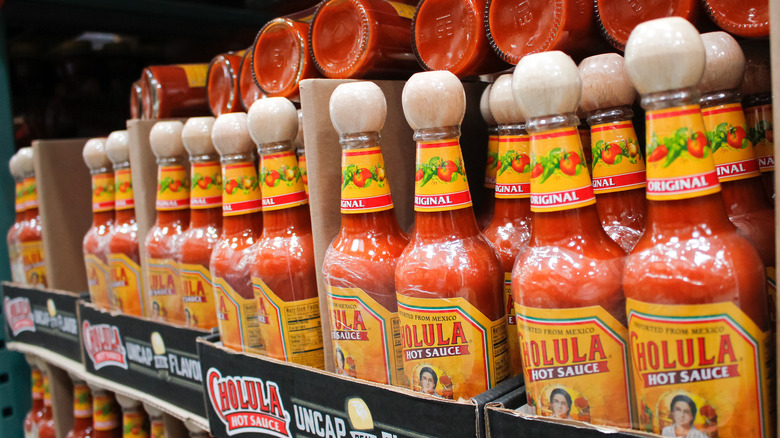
(358, 107)
(165, 139)
(605, 83)
(13, 166)
(117, 147)
(433, 99)
(725, 62)
(196, 136)
(26, 160)
(272, 120)
(502, 102)
(94, 153)
(664, 54)
(484, 107)
(230, 134)
(758, 72)
(546, 83)
(298, 142)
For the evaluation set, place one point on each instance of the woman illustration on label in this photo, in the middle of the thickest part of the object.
(340, 362)
(428, 382)
(683, 412)
(560, 404)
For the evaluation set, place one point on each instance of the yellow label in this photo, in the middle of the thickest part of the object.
(761, 133)
(450, 349)
(19, 203)
(282, 184)
(125, 289)
(30, 193)
(291, 330)
(732, 151)
(366, 337)
(406, 11)
(165, 300)
(196, 74)
(440, 179)
(513, 178)
(157, 428)
(206, 189)
(364, 186)
(237, 319)
(37, 384)
(46, 391)
(491, 168)
(617, 158)
(515, 356)
(82, 401)
(304, 171)
(241, 191)
(173, 188)
(33, 262)
(97, 280)
(559, 175)
(771, 290)
(703, 365)
(198, 296)
(123, 197)
(679, 158)
(134, 425)
(103, 192)
(104, 415)
(575, 364)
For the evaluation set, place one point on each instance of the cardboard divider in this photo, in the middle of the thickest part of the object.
(65, 205)
(323, 157)
(295, 400)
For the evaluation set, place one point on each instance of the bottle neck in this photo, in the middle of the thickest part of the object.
(287, 220)
(125, 217)
(251, 222)
(243, 224)
(383, 222)
(365, 191)
(32, 214)
(720, 97)
(610, 115)
(206, 217)
(512, 203)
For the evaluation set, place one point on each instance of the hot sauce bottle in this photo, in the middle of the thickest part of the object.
(450, 35)
(136, 100)
(222, 83)
(165, 293)
(449, 280)
(618, 19)
(283, 271)
(280, 55)
(510, 229)
(485, 215)
(247, 87)
(566, 283)
(749, 19)
(196, 244)
(695, 289)
(242, 222)
(135, 422)
(124, 263)
(95, 243)
(45, 422)
(517, 28)
(82, 411)
(756, 89)
(32, 417)
(300, 151)
(360, 262)
(106, 420)
(361, 38)
(30, 233)
(174, 91)
(12, 239)
(156, 424)
(747, 205)
(618, 167)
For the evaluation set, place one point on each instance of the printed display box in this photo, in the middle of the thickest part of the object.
(155, 358)
(250, 395)
(509, 415)
(45, 318)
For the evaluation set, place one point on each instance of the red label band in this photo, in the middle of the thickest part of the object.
(209, 201)
(712, 112)
(539, 374)
(663, 115)
(627, 180)
(236, 207)
(612, 127)
(287, 199)
(172, 204)
(360, 204)
(443, 200)
(566, 198)
(438, 144)
(103, 206)
(513, 189)
(737, 168)
(766, 163)
(124, 204)
(683, 184)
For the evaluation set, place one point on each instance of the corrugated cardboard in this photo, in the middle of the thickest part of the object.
(65, 203)
(323, 157)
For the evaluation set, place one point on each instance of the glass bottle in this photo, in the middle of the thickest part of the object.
(174, 91)
(12, 239)
(222, 83)
(31, 233)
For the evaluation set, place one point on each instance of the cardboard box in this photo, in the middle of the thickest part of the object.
(254, 395)
(46, 318)
(323, 157)
(157, 360)
(65, 204)
(508, 415)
